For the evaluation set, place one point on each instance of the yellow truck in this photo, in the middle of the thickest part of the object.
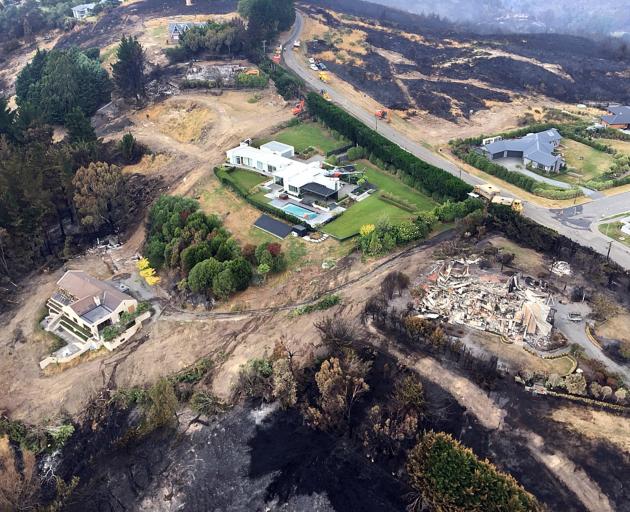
(492, 194)
(324, 77)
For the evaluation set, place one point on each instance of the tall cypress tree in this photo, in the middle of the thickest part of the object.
(128, 71)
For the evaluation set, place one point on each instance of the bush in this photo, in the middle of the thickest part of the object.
(356, 153)
(255, 380)
(448, 476)
(328, 301)
(243, 80)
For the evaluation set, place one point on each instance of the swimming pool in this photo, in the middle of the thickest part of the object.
(299, 212)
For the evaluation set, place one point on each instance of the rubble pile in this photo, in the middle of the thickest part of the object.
(219, 75)
(518, 308)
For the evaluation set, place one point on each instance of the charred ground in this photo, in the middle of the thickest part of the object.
(449, 72)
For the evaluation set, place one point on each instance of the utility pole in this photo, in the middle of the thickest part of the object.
(609, 248)
(264, 44)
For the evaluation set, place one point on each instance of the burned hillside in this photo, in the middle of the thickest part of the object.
(450, 72)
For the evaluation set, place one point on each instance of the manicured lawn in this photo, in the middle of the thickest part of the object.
(385, 182)
(368, 211)
(304, 135)
(586, 161)
(247, 179)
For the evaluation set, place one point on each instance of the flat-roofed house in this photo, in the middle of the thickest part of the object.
(618, 117)
(84, 305)
(298, 179)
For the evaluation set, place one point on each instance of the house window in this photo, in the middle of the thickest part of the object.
(238, 160)
(293, 189)
(271, 168)
(259, 165)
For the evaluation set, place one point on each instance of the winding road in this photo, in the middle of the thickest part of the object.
(577, 223)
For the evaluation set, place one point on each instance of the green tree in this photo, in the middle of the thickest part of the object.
(130, 149)
(100, 196)
(263, 270)
(162, 407)
(128, 71)
(79, 127)
(241, 273)
(194, 254)
(448, 476)
(202, 275)
(223, 284)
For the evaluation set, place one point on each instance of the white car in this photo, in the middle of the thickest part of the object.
(314, 67)
(296, 44)
(311, 60)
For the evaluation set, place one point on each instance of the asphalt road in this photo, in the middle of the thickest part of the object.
(576, 223)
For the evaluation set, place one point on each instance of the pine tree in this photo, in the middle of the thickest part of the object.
(128, 72)
(79, 127)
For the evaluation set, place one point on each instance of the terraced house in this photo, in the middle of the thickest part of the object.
(83, 306)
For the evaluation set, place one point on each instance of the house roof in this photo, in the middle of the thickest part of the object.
(181, 27)
(537, 147)
(263, 156)
(83, 7)
(93, 299)
(273, 226)
(276, 147)
(317, 189)
(619, 114)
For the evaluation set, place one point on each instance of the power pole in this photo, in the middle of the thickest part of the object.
(264, 44)
(609, 248)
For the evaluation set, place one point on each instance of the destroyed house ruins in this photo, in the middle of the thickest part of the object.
(519, 309)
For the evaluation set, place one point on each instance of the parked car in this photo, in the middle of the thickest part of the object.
(311, 61)
(314, 67)
(296, 44)
(322, 66)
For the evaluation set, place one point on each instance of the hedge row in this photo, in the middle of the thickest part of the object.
(463, 151)
(223, 176)
(289, 85)
(599, 184)
(424, 176)
(396, 201)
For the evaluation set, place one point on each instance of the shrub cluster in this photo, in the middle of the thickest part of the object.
(328, 301)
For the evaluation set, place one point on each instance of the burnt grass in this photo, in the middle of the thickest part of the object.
(241, 462)
(591, 70)
(111, 26)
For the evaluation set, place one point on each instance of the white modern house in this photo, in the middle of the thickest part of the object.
(82, 306)
(296, 178)
(83, 11)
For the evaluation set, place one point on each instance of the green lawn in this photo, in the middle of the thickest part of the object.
(368, 211)
(373, 209)
(585, 160)
(385, 182)
(304, 135)
(246, 179)
(613, 230)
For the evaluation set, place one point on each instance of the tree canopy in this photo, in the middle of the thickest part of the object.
(56, 82)
(448, 476)
(128, 70)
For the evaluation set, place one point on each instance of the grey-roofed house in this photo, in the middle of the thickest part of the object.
(536, 149)
(83, 10)
(176, 29)
(83, 305)
(278, 148)
(618, 117)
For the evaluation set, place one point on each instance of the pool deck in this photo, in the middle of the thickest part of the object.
(320, 218)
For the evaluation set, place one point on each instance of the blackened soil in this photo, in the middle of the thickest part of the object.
(588, 70)
(111, 25)
(239, 465)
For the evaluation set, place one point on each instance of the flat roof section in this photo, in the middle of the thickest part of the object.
(273, 227)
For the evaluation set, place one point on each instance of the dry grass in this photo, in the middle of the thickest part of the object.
(623, 146)
(182, 120)
(594, 424)
(516, 357)
(149, 164)
(528, 260)
(616, 328)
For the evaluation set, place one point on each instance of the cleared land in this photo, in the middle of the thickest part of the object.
(306, 135)
(622, 146)
(586, 161)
